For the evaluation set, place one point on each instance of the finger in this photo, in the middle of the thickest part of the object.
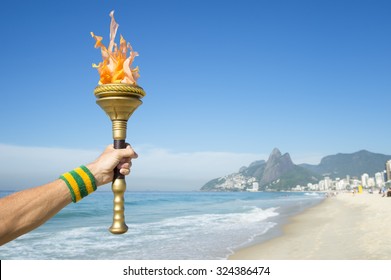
(125, 165)
(133, 153)
(128, 152)
(124, 171)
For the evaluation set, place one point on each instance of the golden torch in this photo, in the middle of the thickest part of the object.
(119, 96)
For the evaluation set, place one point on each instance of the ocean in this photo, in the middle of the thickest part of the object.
(162, 226)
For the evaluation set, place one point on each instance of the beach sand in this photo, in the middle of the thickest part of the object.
(345, 227)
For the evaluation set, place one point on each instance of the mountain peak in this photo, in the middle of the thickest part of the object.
(276, 165)
(276, 156)
(276, 152)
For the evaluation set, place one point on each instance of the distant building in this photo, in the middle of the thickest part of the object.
(341, 184)
(327, 183)
(364, 180)
(388, 170)
(371, 182)
(255, 187)
(379, 179)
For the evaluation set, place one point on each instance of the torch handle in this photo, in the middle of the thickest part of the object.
(118, 144)
(119, 187)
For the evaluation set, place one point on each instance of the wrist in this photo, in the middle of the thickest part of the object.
(96, 173)
(80, 181)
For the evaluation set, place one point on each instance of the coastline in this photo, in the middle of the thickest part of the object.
(344, 227)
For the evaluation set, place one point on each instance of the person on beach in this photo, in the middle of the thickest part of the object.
(26, 210)
(383, 191)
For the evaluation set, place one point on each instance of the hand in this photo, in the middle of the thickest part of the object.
(102, 168)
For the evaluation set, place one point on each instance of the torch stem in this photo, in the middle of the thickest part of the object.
(119, 187)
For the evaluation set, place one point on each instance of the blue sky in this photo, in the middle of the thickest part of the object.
(226, 82)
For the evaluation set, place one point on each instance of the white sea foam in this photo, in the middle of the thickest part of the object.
(161, 226)
(205, 236)
(312, 194)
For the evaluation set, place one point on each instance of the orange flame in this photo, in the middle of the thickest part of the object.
(116, 67)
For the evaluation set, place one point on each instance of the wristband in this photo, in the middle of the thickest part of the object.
(80, 182)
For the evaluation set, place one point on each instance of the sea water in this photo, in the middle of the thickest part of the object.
(162, 226)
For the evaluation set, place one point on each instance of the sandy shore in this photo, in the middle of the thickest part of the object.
(345, 227)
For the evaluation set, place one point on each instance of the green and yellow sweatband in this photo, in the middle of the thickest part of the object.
(80, 182)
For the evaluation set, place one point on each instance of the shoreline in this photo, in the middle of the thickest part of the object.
(344, 227)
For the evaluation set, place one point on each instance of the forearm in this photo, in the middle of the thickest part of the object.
(24, 211)
(28, 209)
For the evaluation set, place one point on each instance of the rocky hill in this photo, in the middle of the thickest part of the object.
(280, 173)
(274, 174)
(354, 164)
